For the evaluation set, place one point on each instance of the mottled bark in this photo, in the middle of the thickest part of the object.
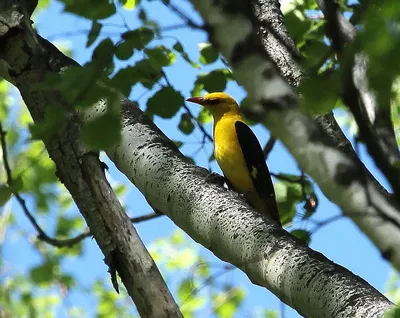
(26, 60)
(342, 178)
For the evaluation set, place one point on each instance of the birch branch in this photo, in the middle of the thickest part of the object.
(373, 120)
(29, 59)
(219, 220)
(342, 178)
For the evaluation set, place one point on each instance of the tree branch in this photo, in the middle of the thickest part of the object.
(29, 60)
(222, 222)
(342, 179)
(375, 126)
(269, 146)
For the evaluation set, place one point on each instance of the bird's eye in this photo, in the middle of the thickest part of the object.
(213, 101)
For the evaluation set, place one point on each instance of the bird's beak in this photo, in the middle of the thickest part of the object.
(197, 100)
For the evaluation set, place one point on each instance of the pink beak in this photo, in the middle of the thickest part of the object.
(197, 100)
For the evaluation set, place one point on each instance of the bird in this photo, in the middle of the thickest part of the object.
(239, 153)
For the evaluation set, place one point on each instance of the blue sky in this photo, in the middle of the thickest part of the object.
(340, 241)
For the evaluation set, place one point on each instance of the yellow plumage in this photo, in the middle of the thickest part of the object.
(228, 154)
(242, 169)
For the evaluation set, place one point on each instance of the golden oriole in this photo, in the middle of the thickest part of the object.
(239, 153)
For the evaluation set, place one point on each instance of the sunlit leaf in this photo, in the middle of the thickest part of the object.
(160, 56)
(208, 54)
(131, 4)
(226, 304)
(204, 116)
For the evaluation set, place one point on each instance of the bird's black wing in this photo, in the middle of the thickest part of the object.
(257, 167)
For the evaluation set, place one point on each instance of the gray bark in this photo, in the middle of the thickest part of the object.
(26, 59)
(341, 177)
(220, 221)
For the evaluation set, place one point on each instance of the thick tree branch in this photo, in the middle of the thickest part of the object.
(374, 122)
(267, 12)
(29, 59)
(222, 222)
(276, 40)
(342, 179)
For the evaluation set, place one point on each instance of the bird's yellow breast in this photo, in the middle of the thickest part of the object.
(229, 155)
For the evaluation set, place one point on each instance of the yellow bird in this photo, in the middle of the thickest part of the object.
(239, 153)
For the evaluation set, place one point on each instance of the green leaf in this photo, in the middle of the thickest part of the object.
(297, 25)
(271, 314)
(214, 81)
(302, 235)
(228, 303)
(178, 143)
(5, 194)
(67, 280)
(103, 132)
(208, 54)
(91, 9)
(17, 184)
(138, 38)
(179, 48)
(177, 237)
(44, 274)
(53, 123)
(65, 226)
(124, 50)
(320, 93)
(42, 4)
(198, 87)
(392, 313)
(183, 260)
(185, 289)
(160, 56)
(204, 116)
(104, 52)
(186, 125)
(165, 103)
(313, 51)
(94, 33)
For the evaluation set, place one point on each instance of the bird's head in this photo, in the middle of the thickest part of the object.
(217, 103)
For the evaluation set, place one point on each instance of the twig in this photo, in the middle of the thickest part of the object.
(173, 27)
(287, 179)
(41, 233)
(183, 16)
(5, 155)
(269, 146)
(206, 134)
(321, 224)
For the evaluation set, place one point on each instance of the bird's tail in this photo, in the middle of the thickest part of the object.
(263, 206)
